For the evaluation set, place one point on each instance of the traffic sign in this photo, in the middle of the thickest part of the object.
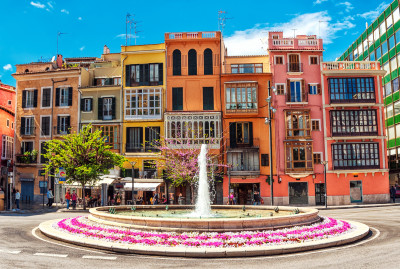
(61, 176)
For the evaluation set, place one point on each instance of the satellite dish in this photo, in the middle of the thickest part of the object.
(53, 58)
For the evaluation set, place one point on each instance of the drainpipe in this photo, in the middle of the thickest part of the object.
(122, 105)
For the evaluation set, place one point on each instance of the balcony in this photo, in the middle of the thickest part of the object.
(26, 159)
(28, 131)
(299, 159)
(239, 145)
(302, 43)
(132, 147)
(245, 162)
(351, 65)
(191, 129)
(256, 68)
(295, 67)
(192, 36)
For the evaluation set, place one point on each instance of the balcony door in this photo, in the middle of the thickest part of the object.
(294, 63)
(295, 91)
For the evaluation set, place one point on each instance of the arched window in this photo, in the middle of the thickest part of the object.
(208, 62)
(192, 59)
(176, 63)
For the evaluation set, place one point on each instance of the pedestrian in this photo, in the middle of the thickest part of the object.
(155, 198)
(68, 198)
(17, 197)
(256, 198)
(74, 197)
(393, 194)
(50, 198)
(118, 198)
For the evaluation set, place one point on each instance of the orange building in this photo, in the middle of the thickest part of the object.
(245, 81)
(193, 92)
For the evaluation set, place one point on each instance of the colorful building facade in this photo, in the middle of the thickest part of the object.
(295, 67)
(245, 81)
(354, 139)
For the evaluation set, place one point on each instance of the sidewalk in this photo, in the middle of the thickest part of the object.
(356, 206)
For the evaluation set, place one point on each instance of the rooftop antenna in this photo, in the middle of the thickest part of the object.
(126, 27)
(130, 20)
(135, 31)
(222, 20)
(58, 34)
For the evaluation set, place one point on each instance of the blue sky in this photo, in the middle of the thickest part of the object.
(29, 29)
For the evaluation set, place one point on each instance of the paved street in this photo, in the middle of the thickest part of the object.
(19, 248)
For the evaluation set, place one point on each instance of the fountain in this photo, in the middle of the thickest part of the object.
(204, 230)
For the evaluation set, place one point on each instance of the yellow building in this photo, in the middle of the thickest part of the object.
(143, 82)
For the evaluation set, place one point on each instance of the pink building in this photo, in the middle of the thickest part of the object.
(355, 144)
(295, 67)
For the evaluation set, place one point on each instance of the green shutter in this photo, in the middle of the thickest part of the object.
(371, 48)
(390, 31)
(385, 58)
(394, 74)
(370, 30)
(383, 38)
(386, 79)
(364, 35)
(365, 54)
(377, 43)
(392, 53)
(375, 24)
(396, 26)
(398, 47)
(398, 141)
(381, 18)
(100, 108)
(394, 5)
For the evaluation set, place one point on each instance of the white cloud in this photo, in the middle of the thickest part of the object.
(38, 4)
(373, 14)
(50, 4)
(65, 11)
(319, 2)
(79, 18)
(347, 5)
(7, 67)
(82, 48)
(252, 41)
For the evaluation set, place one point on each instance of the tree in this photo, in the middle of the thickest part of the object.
(180, 160)
(84, 156)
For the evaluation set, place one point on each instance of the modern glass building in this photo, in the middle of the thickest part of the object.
(381, 42)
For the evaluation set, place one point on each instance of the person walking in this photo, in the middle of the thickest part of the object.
(256, 198)
(17, 198)
(68, 198)
(74, 197)
(118, 198)
(50, 198)
(155, 198)
(393, 194)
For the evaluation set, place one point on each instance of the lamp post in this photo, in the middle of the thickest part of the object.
(229, 184)
(133, 182)
(326, 195)
(269, 123)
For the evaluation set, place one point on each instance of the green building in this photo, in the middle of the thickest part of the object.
(381, 42)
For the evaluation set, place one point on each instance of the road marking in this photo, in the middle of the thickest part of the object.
(63, 245)
(99, 257)
(10, 251)
(51, 255)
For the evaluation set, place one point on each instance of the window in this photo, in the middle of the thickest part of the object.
(351, 90)
(64, 96)
(384, 48)
(298, 156)
(192, 60)
(149, 169)
(378, 53)
(107, 108)
(63, 124)
(296, 92)
(396, 15)
(264, 159)
(294, 63)
(152, 138)
(393, 63)
(246, 68)
(278, 59)
(27, 125)
(26, 146)
(241, 97)
(317, 158)
(134, 139)
(240, 134)
(360, 49)
(397, 35)
(208, 62)
(46, 97)
(388, 89)
(110, 134)
(376, 34)
(9, 102)
(397, 108)
(382, 28)
(176, 63)
(86, 104)
(355, 155)
(144, 74)
(365, 44)
(372, 56)
(386, 67)
(353, 122)
(7, 147)
(43, 150)
(143, 103)
(389, 111)
(391, 134)
(177, 98)
(45, 126)
(313, 59)
(395, 84)
(244, 161)
(117, 81)
(298, 123)
(389, 21)
(392, 43)
(8, 123)
(315, 125)
(29, 98)
(314, 89)
(280, 89)
(208, 98)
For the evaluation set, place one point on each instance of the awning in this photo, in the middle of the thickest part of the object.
(105, 180)
(142, 186)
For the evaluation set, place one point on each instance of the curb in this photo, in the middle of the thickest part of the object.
(357, 206)
(361, 231)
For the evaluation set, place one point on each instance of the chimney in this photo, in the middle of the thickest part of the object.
(106, 50)
(59, 61)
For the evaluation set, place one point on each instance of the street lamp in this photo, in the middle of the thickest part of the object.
(326, 195)
(133, 182)
(269, 123)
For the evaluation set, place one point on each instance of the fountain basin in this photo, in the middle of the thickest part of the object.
(306, 216)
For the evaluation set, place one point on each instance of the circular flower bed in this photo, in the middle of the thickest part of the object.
(83, 227)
